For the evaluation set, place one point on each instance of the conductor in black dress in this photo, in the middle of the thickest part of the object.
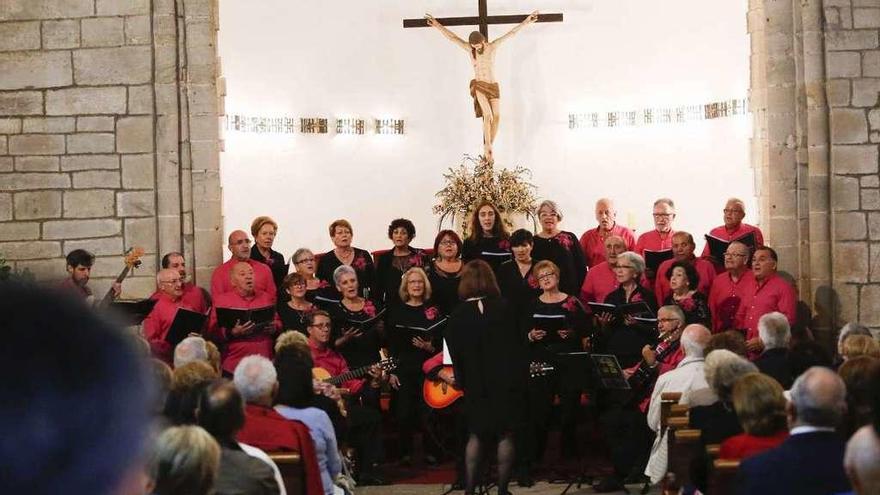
(490, 366)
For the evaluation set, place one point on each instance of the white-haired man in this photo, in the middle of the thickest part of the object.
(775, 332)
(862, 461)
(190, 349)
(810, 461)
(687, 376)
(169, 298)
(593, 241)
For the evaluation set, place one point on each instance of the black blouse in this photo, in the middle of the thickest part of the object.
(444, 288)
(492, 250)
(551, 317)
(626, 341)
(294, 319)
(363, 350)
(564, 249)
(403, 320)
(695, 308)
(389, 270)
(275, 262)
(519, 290)
(363, 267)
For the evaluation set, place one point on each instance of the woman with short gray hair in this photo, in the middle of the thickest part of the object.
(185, 459)
(356, 328)
(560, 247)
(306, 264)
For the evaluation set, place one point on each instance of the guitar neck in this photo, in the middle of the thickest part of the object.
(349, 375)
(109, 295)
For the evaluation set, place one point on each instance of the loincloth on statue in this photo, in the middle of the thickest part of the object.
(490, 90)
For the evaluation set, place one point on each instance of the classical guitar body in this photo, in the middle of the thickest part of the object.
(321, 374)
(439, 394)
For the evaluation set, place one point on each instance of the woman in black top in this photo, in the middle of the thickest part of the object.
(356, 326)
(490, 365)
(294, 313)
(683, 280)
(390, 266)
(318, 291)
(445, 270)
(264, 230)
(345, 254)
(560, 247)
(516, 277)
(414, 329)
(488, 239)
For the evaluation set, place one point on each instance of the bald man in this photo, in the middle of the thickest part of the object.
(862, 461)
(593, 240)
(683, 250)
(169, 298)
(733, 228)
(244, 338)
(240, 247)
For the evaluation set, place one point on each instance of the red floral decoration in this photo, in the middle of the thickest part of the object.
(369, 308)
(415, 260)
(564, 241)
(431, 313)
(532, 281)
(323, 284)
(636, 297)
(570, 305)
(504, 244)
(687, 304)
(359, 263)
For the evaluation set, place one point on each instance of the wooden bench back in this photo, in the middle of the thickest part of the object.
(292, 472)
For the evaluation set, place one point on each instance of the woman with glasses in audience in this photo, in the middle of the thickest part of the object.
(488, 239)
(344, 253)
(445, 270)
(294, 313)
(392, 265)
(317, 290)
(561, 247)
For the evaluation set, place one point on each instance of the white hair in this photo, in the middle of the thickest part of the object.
(635, 259)
(190, 349)
(861, 460)
(819, 397)
(694, 339)
(852, 328)
(254, 377)
(774, 330)
(341, 271)
(723, 368)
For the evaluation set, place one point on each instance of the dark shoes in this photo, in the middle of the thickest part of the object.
(609, 484)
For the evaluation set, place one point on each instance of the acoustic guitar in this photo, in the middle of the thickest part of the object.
(642, 376)
(439, 394)
(132, 260)
(323, 375)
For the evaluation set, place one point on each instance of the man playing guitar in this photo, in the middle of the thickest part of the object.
(79, 267)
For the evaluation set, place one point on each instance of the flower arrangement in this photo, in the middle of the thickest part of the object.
(475, 180)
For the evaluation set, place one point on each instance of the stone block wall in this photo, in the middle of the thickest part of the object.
(95, 149)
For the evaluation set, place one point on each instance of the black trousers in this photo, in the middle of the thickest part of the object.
(626, 432)
(411, 412)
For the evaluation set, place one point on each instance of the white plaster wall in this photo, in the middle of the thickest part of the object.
(351, 58)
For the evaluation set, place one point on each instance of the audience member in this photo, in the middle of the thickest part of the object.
(186, 384)
(810, 461)
(220, 412)
(718, 420)
(805, 354)
(162, 376)
(77, 397)
(862, 378)
(851, 328)
(185, 459)
(861, 461)
(688, 375)
(775, 333)
(731, 340)
(760, 407)
(190, 349)
(860, 345)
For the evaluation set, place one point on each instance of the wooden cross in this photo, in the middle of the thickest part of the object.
(483, 20)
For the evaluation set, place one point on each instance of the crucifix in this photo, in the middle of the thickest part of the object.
(483, 88)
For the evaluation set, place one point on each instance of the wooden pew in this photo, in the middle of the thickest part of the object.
(667, 400)
(682, 444)
(722, 477)
(292, 471)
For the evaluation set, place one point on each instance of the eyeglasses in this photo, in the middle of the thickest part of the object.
(735, 255)
(545, 276)
(419, 282)
(305, 260)
(628, 267)
(729, 210)
(447, 242)
(663, 215)
(172, 282)
(667, 320)
(299, 284)
(321, 325)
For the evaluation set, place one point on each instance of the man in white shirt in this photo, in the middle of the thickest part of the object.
(687, 376)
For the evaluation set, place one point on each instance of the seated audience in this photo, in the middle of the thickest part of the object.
(718, 420)
(810, 461)
(860, 345)
(294, 402)
(767, 293)
(851, 328)
(185, 459)
(187, 382)
(190, 349)
(805, 354)
(729, 287)
(862, 378)
(683, 254)
(860, 461)
(264, 230)
(240, 247)
(220, 412)
(760, 407)
(734, 227)
(731, 340)
(559, 246)
(162, 377)
(256, 380)
(593, 241)
(77, 397)
(688, 375)
(244, 337)
(775, 333)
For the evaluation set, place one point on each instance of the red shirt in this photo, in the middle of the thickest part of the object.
(157, 323)
(69, 286)
(600, 282)
(732, 235)
(267, 430)
(593, 242)
(704, 268)
(263, 281)
(335, 364)
(760, 298)
(654, 241)
(745, 445)
(726, 297)
(193, 296)
(256, 343)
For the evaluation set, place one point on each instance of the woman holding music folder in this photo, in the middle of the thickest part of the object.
(488, 239)
(445, 270)
(414, 329)
(294, 313)
(357, 321)
(490, 367)
(683, 280)
(555, 325)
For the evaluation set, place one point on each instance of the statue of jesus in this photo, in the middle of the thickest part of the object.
(484, 87)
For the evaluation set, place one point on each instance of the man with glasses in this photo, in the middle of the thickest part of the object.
(683, 247)
(193, 295)
(733, 228)
(729, 288)
(660, 238)
(240, 247)
(767, 292)
(169, 297)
